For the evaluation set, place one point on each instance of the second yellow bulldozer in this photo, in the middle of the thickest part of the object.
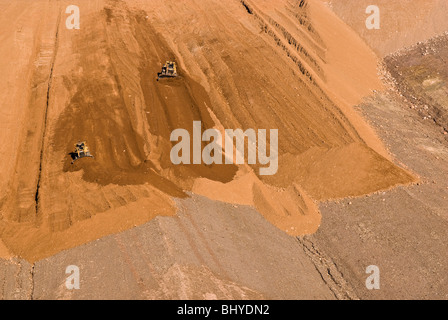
(169, 70)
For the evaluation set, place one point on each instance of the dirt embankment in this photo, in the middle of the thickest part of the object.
(243, 64)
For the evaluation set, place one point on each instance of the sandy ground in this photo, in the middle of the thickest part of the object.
(403, 22)
(140, 227)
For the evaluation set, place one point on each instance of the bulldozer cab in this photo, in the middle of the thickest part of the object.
(169, 70)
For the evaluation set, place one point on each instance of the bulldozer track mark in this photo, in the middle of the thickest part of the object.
(127, 259)
(205, 243)
(190, 240)
(152, 270)
(44, 130)
(303, 19)
(328, 270)
(31, 277)
(3, 283)
(312, 61)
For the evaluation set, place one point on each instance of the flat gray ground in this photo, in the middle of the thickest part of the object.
(403, 231)
(210, 250)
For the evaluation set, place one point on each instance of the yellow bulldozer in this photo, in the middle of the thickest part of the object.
(169, 70)
(81, 151)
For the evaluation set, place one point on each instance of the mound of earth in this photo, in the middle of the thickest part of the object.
(242, 64)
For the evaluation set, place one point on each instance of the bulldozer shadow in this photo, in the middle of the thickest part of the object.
(73, 155)
(81, 151)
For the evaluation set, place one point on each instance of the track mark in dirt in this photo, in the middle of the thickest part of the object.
(152, 270)
(31, 275)
(205, 243)
(328, 270)
(271, 27)
(50, 80)
(249, 10)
